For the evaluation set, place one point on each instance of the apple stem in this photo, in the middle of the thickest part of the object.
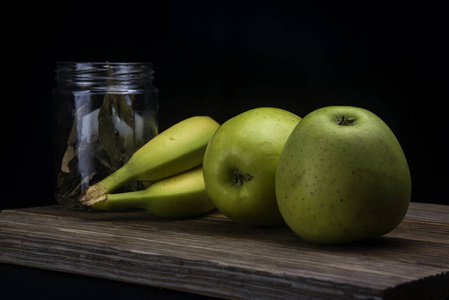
(240, 178)
(344, 121)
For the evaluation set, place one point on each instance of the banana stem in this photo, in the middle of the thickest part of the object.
(121, 201)
(116, 179)
(100, 190)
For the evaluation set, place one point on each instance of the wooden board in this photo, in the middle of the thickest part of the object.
(214, 256)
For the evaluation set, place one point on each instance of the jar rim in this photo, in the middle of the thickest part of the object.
(87, 74)
(69, 62)
(97, 66)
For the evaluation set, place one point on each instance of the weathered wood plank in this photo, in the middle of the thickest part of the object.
(214, 256)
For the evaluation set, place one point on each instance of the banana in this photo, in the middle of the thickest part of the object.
(178, 197)
(177, 149)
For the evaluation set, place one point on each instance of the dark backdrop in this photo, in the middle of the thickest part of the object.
(220, 58)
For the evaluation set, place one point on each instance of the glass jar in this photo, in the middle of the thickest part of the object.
(102, 113)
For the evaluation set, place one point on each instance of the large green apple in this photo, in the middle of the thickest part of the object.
(240, 165)
(342, 177)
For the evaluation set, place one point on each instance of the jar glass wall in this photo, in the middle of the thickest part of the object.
(102, 113)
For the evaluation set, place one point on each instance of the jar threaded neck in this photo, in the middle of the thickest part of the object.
(105, 75)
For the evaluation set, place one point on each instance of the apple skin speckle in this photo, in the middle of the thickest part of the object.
(240, 165)
(353, 175)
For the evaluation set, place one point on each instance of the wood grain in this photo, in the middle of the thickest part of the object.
(213, 256)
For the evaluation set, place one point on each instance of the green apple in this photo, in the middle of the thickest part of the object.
(342, 177)
(240, 165)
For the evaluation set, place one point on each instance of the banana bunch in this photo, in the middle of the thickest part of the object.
(173, 161)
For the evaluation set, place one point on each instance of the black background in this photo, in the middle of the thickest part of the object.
(220, 58)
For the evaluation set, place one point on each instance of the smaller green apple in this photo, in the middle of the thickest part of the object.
(240, 165)
(342, 177)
